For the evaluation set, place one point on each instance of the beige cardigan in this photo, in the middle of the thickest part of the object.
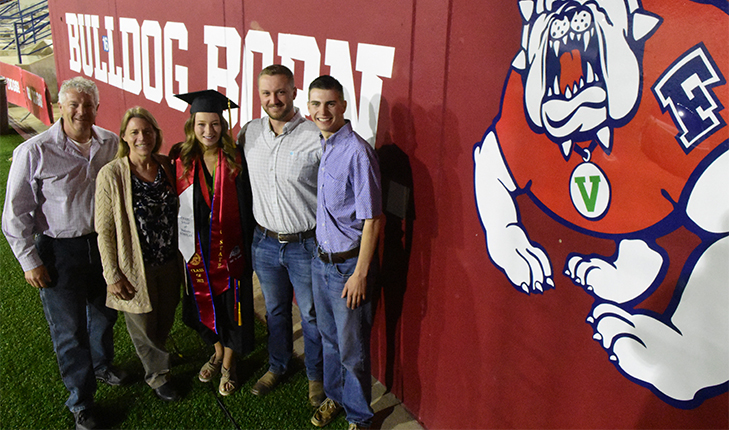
(119, 246)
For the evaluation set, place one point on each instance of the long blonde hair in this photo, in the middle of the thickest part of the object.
(192, 148)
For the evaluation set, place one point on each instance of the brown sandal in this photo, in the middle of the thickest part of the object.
(209, 370)
(227, 379)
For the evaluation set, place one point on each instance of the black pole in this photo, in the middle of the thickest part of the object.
(17, 44)
(3, 106)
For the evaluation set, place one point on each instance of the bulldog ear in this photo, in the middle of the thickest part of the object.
(644, 24)
(526, 7)
(539, 6)
(520, 62)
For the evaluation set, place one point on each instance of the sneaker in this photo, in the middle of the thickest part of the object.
(267, 383)
(111, 376)
(85, 420)
(316, 393)
(328, 410)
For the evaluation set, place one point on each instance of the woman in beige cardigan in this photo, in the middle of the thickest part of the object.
(136, 218)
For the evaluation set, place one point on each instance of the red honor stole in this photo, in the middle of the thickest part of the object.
(214, 277)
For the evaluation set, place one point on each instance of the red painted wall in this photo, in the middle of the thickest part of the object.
(453, 339)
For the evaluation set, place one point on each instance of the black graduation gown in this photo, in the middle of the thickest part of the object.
(240, 338)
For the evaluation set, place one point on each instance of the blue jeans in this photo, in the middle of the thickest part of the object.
(345, 334)
(284, 269)
(81, 325)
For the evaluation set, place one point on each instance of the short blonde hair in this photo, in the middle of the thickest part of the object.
(278, 69)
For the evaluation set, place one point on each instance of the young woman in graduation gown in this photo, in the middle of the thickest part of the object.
(215, 226)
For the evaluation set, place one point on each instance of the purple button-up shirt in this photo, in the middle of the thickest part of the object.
(349, 190)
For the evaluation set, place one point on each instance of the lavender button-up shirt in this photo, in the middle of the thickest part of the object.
(51, 189)
(349, 190)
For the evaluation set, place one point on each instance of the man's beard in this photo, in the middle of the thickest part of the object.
(282, 114)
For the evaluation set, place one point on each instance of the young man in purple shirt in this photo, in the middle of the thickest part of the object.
(348, 221)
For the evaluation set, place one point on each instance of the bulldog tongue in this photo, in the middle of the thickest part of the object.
(571, 69)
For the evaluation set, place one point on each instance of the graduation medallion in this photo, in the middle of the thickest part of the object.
(589, 189)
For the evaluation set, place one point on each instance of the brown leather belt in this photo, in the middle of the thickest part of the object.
(337, 257)
(287, 237)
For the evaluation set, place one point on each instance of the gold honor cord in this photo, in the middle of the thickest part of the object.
(230, 122)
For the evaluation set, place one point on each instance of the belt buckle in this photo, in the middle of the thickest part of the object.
(278, 237)
(322, 255)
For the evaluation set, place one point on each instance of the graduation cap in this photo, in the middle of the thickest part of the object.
(207, 101)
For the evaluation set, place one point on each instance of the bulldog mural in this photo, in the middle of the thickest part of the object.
(611, 122)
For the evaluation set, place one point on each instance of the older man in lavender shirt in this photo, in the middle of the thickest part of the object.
(348, 218)
(48, 220)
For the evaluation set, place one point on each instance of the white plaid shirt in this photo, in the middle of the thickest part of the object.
(283, 172)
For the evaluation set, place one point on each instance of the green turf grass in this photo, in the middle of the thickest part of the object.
(32, 395)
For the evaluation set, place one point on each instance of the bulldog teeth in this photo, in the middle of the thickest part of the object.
(567, 93)
(566, 148)
(556, 85)
(590, 74)
(586, 39)
(556, 48)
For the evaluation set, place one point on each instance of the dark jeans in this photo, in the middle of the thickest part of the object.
(75, 307)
